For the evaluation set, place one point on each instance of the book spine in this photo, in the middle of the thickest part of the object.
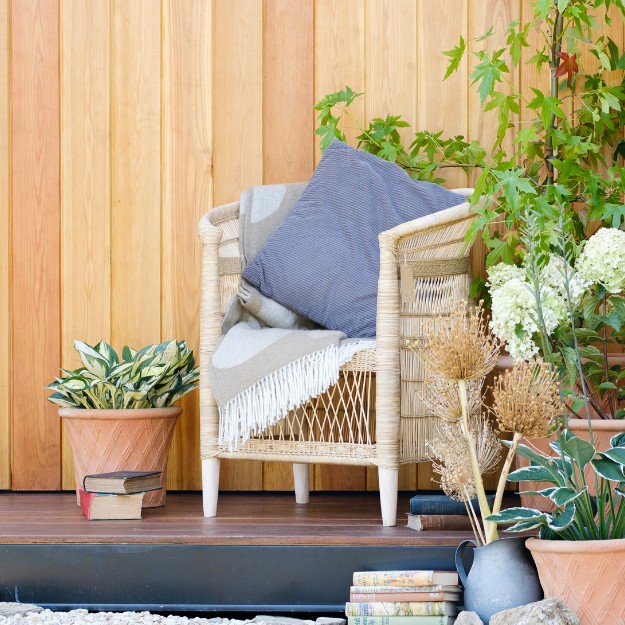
(393, 578)
(421, 522)
(85, 503)
(395, 608)
(373, 597)
(444, 506)
(397, 620)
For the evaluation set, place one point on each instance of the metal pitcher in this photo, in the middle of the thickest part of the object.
(502, 576)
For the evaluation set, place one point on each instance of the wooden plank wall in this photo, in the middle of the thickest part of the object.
(122, 122)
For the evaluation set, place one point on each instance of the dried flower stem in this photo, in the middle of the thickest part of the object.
(489, 527)
(503, 478)
(475, 522)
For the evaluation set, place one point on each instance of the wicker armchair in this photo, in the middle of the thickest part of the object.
(373, 416)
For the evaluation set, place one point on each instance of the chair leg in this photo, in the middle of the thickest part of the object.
(389, 480)
(210, 485)
(301, 478)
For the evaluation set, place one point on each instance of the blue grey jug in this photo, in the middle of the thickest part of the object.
(502, 576)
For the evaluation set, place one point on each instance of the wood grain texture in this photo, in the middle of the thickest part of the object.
(5, 327)
(135, 173)
(186, 196)
(85, 185)
(442, 105)
(35, 280)
(237, 93)
(237, 139)
(288, 128)
(287, 91)
(340, 57)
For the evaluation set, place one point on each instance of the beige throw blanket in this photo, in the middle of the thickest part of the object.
(269, 359)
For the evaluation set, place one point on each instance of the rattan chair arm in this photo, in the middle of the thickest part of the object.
(210, 331)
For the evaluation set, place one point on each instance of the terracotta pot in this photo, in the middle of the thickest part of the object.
(603, 430)
(587, 575)
(121, 440)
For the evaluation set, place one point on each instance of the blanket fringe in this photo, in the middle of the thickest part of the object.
(266, 402)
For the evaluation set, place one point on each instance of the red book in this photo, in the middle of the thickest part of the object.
(100, 506)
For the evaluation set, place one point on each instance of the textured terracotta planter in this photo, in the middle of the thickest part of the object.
(603, 430)
(121, 440)
(587, 575)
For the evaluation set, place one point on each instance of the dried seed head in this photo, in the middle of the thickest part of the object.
(462, 347)
(487, 443)
(526, 399)
(442, 399)
(450, 459)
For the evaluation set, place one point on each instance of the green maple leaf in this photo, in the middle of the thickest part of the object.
(488, 72)
(616, 212)
(455, 57)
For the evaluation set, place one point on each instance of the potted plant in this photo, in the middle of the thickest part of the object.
(119, 411)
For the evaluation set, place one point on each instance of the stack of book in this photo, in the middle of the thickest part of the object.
(439, 512)
(403, 598)
(116, 495)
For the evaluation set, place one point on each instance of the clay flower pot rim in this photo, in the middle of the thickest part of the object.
(605, 425)
(121, 413)
(575, 546)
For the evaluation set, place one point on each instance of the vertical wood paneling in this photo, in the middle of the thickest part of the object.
(288, 130)
(187, 195)
(35, 281)
(85, 184)
(237, 91)
(442, 105)
(237, 139)
(135, 173)
(5, 328)
(340, 57)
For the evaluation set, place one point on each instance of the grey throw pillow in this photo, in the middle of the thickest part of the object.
(323, 260)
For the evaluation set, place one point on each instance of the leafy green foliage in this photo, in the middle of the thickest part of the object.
(153, 377)
(578, 514)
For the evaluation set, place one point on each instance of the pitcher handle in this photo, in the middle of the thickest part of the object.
(459, 563)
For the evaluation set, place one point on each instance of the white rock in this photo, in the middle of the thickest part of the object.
(326, 620)
(468, 618)
(545, 612)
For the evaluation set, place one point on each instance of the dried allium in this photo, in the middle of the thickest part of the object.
(526, 399)
(443, 401)
(450, 459)
(462, 347)
(487, 444)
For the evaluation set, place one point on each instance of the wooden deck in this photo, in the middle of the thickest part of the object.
(243, 519)
(263, 553)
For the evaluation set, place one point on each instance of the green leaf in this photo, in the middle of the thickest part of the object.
(531, 474)
(96, 363)
(618, 440)
(608, 469)
(488, 72)
(580, 450)
(559, 522)
(62, 400)
(617, 454)
(455, 57)
(517, 515)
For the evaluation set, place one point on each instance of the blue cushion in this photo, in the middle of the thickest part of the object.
(323, 260)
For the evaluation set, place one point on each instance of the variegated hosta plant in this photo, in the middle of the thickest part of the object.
(153, 377)
(579, 515)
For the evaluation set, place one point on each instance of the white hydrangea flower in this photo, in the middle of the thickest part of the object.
(553, 274)
(603, 260)
(502, 272)
(514, 317)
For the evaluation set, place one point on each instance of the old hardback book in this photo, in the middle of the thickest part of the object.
(103, 506)
(400, 620)
(441, 504)
(453, 522)
(401, 608)
(371, 594)
(405, 578)
(122, 482)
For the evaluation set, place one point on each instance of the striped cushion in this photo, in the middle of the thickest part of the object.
(323, 261)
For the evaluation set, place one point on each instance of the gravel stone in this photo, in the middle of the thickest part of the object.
(27, 614)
